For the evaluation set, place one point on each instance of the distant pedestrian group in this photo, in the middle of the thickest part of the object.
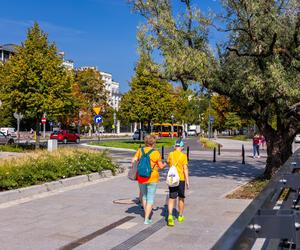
(146, 163)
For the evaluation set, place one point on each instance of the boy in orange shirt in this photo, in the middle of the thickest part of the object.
(179, 160)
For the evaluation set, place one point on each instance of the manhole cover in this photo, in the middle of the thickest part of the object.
(126, 201)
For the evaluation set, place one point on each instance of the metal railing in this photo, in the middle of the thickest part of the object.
(273, 215)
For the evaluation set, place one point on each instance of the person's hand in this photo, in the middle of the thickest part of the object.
(188, 185)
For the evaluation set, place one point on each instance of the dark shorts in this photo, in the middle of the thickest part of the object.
(177, 191)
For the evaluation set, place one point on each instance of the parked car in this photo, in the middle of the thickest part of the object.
(297, 138)
(9, 131)
(5, 139)
(65, 136)
(136, 134)
(192, 132)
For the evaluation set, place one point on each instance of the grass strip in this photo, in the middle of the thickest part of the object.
(133, 144)
(239, 138)
(249, 190)
(18, 148)
(42, 166)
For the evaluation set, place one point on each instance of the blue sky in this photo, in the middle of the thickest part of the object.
(98, 33)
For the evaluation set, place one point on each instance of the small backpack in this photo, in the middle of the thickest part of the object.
(144, 167)
(173, 178)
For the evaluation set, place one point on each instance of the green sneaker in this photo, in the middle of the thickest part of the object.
(147, 222)
(181, 218)
(171, 221)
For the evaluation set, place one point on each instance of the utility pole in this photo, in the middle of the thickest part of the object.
(172, 125)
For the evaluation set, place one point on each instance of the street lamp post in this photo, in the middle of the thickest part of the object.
(172, 125)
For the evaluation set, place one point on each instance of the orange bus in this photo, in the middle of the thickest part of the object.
(165, 130)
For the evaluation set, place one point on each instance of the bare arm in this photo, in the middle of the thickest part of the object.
(161, 165)
(186, 175)
(134, 159)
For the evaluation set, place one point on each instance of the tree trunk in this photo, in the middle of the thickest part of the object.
(279, 149)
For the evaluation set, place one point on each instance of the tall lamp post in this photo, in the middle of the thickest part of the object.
(172, 125)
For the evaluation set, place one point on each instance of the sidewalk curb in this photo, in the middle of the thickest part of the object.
(111, 148)
(20, 193)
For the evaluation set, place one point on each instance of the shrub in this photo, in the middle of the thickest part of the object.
(42, 166)
(208, 143)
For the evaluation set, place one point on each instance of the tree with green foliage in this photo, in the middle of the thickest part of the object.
(35, 82)
(188, 106)
(257, 67)
(89, 91)
(233, 121)
(150, 98)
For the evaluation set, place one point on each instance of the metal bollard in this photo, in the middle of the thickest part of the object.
(243, 154)
(219, 149)
(215, 152)
(188, 153)
(163, 152)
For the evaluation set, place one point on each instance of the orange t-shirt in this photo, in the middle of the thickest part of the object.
(154, 159)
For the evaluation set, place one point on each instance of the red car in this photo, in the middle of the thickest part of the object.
(65, 136)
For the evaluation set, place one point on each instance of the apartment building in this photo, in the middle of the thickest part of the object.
(113, 89)
(6, 50)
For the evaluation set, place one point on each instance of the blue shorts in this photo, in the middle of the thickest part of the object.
(148, 192)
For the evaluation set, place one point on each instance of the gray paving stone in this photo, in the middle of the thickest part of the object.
(11, 195)
(53, 185)
(29, 191)
(106, 173)
(93, 176)
(74, 180)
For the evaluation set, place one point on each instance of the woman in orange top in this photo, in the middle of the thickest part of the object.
(148, 185)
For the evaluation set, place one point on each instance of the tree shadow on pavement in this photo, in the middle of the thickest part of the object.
(223, 169)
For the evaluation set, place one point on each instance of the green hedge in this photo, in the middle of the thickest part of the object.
(20, 147)
(40, 167)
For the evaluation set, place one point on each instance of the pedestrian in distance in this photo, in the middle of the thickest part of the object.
(256, 141)
(149, 160)
(178, 159)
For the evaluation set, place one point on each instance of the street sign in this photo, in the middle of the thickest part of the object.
(211, 119)
(97, 110)
(43, 120)
(18, 116)
(98, 119)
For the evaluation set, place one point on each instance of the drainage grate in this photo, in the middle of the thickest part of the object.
(95, 234)
(141, 236)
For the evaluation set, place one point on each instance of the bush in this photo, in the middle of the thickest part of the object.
(42, 166)
(207, 143)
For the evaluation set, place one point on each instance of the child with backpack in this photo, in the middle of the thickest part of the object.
(178, 159)
(149, 162)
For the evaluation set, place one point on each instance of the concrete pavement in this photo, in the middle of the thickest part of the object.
(86, 217)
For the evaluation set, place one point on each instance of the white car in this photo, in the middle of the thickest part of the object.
(9, 131)
(192, 132)
(297, 138)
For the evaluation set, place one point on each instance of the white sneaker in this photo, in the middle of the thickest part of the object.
(258, 156)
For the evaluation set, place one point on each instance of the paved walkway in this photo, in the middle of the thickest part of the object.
(86, 217)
